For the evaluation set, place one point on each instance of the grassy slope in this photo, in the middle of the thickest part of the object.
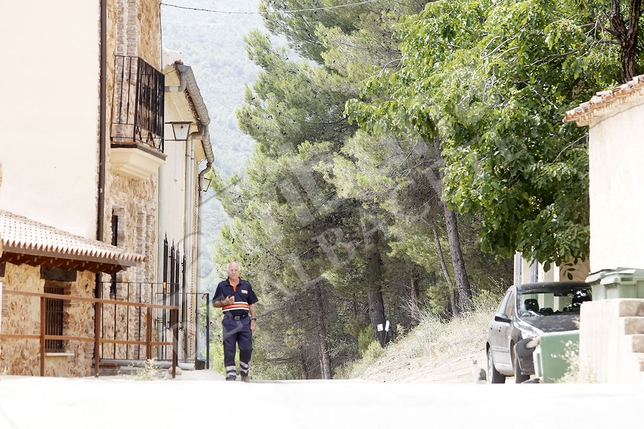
(433, 352)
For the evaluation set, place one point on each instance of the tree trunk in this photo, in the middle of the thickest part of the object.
(458, 263)
(374, 294)
(452, 295)
(414, 295)
(325, 361)
(377, 315)
(304, 368)
(627, 33)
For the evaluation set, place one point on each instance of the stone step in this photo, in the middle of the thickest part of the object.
(633, 325)
(631, 308)
(640, 361)
(636, 343)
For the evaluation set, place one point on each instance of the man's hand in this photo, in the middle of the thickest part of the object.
(224, 302)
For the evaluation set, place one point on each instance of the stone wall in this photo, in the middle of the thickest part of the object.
(137, 33)
(133, 28)
(21, 315)
(138, 29)
(134, 200)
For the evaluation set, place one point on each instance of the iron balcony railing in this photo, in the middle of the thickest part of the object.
(137, 104)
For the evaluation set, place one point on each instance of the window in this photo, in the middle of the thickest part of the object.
(54, 315)
(509, 309)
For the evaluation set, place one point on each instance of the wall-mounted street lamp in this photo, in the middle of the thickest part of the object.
(180, 130)
(204, 183)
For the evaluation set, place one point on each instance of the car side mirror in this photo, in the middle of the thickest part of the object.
(502, 318)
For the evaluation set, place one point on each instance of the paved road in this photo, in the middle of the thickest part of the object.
(202, 400)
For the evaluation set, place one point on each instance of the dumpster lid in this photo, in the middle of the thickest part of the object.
(614, 273)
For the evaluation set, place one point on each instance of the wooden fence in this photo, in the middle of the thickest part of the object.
(97, 338)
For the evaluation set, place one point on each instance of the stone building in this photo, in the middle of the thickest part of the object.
(99, 197)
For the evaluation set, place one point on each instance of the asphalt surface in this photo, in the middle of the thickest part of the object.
(203, 399)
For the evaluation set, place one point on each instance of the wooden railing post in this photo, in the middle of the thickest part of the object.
(148, 334)
(42, 336)
(43, 331)
(97, 338)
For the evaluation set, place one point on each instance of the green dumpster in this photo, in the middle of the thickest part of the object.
(554, 355)
(617, 283)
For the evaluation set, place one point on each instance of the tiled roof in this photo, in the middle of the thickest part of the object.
(28, 241)
(606, 101)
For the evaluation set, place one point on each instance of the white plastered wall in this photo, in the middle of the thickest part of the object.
(173, 176)
(49, 106)
(616, 152)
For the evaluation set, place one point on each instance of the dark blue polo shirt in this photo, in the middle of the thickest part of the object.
(243, 293)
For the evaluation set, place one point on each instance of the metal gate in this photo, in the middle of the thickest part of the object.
(122, 322)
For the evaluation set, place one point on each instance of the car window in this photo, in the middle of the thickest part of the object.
(510, 305)
(553, 300)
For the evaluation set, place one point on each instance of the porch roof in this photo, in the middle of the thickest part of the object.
(25, 241)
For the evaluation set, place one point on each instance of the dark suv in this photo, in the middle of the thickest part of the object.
(527, 311)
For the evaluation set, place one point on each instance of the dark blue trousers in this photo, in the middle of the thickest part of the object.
(237, 333)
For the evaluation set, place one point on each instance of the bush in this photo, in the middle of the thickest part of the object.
(365, 338)
(150, 371)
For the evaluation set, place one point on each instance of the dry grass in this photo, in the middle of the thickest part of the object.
(434, 351)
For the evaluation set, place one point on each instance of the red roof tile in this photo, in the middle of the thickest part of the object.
(606, 100)
(23, 236)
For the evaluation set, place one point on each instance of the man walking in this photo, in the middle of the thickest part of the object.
(237, 300)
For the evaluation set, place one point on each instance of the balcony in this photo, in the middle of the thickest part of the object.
(137, 118)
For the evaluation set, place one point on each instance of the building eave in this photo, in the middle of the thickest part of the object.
(607, 103)
(25, 241)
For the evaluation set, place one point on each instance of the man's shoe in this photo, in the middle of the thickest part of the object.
(230, 378)
(246, 378)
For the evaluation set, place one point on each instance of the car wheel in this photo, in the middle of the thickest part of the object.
(518, 377)
(493, 376)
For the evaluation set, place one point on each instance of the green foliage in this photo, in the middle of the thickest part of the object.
(365, 340)
(320, 204)
(345, 190)
(492, 80)
(438, 297)
(373, 352)
(291, 230)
